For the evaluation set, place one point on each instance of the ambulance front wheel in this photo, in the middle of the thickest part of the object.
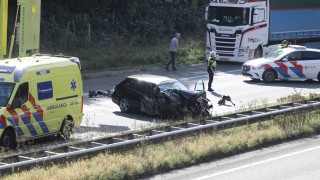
(66, 129)
(8, 139)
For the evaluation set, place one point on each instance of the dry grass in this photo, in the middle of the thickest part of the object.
(151, 159)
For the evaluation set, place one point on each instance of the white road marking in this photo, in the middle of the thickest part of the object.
(257, 163)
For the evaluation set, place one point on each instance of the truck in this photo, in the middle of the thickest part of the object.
(241, 30)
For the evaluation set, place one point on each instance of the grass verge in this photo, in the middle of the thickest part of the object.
(151, 159)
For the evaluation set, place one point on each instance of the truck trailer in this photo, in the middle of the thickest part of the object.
(241, 30)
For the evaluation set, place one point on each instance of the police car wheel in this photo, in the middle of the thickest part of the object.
(124, 105)
(269, 76)
(8, 139)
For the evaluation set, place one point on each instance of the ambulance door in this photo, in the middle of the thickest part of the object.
(43, 105)
(20, 111)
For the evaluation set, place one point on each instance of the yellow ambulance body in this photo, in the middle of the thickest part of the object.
(39, 96)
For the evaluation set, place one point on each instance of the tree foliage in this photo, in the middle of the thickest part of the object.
(71, 24)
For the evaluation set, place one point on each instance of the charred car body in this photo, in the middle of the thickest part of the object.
(159, 95)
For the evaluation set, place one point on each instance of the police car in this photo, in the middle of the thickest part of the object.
(294, 62)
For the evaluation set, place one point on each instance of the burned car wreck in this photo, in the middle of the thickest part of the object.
(161, 96)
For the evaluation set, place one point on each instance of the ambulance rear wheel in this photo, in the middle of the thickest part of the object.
(8, 139)
(66, 129)
(124, 105)
(269, 76)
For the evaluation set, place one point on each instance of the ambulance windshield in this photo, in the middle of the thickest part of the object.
(228, 16)
(6, 89)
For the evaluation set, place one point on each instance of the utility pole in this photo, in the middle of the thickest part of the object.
(3, 27)
(26, 28)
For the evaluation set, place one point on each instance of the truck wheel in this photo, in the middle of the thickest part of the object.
(257, 53)
(124, 105)
(269, 76)
(8, 139)
(66, 129)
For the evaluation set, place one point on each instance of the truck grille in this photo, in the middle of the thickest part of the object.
(225, 44)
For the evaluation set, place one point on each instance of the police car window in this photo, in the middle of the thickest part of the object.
(294, 56)
(312, 55)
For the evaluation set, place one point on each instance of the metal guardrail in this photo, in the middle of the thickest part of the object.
(158, 134)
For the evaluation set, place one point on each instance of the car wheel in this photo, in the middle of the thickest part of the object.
(269, 76)
(124, 105)
(66, 129)
(8, 139)
(257, 53)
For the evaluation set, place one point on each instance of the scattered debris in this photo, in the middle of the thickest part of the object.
(224, 99)
(99, 93)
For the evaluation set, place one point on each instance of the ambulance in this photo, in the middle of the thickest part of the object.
(292, 63)
(39, 96)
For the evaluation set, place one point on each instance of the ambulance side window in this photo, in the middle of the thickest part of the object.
(21, 95)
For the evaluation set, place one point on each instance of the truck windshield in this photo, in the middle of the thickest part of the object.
(6, 89)
(228, 16)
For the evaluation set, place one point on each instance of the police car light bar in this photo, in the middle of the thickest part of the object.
(297, 47)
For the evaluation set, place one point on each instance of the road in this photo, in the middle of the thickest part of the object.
(297, 160)
(102, 117)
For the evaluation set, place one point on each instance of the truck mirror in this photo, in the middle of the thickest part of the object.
(16, 103)
(206, 14)
(285, 58)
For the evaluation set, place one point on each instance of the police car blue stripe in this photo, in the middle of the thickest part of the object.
(29, 125)
(18, 129)
(41, 123)
(282, 72)
(297, 72)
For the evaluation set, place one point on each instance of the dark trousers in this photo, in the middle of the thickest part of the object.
(211, 73)
(172, 60)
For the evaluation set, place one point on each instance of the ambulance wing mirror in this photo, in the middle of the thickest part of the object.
(16, 103)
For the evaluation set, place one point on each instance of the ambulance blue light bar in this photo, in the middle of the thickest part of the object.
(7, 69)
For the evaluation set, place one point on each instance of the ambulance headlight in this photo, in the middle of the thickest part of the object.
(256, 67)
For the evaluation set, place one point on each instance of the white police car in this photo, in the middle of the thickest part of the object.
(294, 62)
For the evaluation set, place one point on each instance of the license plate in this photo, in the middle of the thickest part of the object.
(224, 59)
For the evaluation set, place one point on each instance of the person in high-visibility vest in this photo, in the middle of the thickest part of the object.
(212, 64)
(284, 44)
